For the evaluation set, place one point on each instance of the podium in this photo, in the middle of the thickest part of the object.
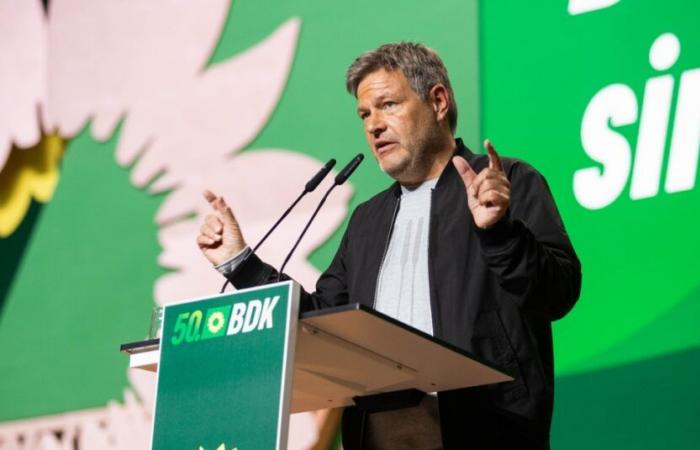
(334, 357)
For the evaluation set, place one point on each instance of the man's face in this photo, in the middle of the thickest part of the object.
(399, 126)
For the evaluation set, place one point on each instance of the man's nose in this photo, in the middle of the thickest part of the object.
(375, 124)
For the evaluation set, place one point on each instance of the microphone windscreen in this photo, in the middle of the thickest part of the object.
(349, 169)
(320, 175)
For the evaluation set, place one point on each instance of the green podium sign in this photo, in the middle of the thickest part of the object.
(225, 371)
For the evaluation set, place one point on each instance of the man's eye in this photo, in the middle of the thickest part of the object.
(389, 104)
(364, 115)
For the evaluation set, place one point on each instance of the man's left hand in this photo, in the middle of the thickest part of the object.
(488, 193)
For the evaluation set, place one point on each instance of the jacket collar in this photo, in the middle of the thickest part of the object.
(449, 172)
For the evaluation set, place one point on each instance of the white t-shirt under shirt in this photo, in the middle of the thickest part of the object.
(403, 290)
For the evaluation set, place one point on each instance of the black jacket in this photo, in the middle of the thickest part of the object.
(494, 293)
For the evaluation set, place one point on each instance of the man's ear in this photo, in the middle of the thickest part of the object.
(440, 101)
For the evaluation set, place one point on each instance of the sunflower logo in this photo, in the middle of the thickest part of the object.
(216, 322)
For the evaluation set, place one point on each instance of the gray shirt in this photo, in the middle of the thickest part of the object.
(403, 291)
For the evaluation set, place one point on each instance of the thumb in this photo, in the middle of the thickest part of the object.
(464, 170)
(225, 211)
(210, 196)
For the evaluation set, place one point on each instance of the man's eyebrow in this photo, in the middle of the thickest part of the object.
(378, 99)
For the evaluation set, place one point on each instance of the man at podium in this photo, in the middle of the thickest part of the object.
(469, 248)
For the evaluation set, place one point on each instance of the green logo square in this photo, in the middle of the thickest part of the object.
(216, 322)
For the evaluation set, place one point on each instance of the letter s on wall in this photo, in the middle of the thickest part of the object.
(614, 105)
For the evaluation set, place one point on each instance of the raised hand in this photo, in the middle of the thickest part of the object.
(220, 237)
(488, 193)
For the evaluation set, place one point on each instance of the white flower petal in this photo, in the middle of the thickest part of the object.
(22, 73)
(108, 56)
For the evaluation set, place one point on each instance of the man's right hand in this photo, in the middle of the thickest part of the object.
(220, 237)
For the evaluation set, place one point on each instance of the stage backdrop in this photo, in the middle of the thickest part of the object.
(115, 115)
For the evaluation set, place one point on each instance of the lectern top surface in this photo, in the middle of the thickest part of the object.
(153, 344)
(368, 310)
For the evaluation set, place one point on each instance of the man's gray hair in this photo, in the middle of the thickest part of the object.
(421, 66)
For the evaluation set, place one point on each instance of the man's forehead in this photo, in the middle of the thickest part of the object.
(380, 82)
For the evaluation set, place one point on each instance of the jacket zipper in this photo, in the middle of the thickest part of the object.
(386, 248)
(433, 296)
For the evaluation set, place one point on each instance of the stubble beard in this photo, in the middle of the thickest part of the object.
(417, 164)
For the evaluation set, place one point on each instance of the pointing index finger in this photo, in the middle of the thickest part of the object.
(494, 160)
(225, 211)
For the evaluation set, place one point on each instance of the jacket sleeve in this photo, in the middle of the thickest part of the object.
(529, 249)
(331, 287)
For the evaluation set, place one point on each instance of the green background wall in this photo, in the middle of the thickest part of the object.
(627, 355)
(77, 276)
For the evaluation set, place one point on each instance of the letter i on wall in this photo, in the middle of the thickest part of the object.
(685, 143)
(658, 94)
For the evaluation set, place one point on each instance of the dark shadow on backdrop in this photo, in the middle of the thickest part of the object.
(652, 404)
(12, 249)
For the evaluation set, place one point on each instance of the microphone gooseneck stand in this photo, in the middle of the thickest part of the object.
(310, 186)
(339, 179)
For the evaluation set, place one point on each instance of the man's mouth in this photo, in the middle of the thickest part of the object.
(383, 146)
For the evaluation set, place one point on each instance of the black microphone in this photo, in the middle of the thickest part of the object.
(349, 169)
(310, 186)
(339, 179)
(316, 180)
